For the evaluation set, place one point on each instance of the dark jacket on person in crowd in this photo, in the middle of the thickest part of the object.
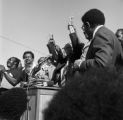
(104, 51)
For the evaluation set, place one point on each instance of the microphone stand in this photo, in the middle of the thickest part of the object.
(27, 90)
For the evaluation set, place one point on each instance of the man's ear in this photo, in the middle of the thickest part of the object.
(87, 24)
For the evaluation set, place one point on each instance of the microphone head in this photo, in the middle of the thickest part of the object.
(13, 103)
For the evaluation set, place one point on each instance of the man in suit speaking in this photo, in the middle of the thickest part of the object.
(105, 49)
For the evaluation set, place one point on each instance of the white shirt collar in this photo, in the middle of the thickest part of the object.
(97, 28)
(31, 66)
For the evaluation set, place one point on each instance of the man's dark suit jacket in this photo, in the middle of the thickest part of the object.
(104, 51)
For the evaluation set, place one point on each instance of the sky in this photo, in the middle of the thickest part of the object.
(27, 24)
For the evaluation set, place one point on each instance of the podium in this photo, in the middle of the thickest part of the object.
(38, 99)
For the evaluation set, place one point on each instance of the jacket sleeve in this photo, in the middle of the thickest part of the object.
(77, 47)
(52, 50)
(59, 54)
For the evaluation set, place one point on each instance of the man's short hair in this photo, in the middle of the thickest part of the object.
(28, 52)
(94, 17)
(13, 103)
(95, 95)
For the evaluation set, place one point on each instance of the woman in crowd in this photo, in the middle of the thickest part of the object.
(13, 75)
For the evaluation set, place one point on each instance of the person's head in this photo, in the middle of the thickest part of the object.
(41, 59)
(119, 34)
(91, 19)
(67, 50)
(49, 61)
(13, 103)
(28, 57)
(14, 62)
(94, 95)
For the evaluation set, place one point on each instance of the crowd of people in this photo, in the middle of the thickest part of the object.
(94, 90)
(69, 68)
(16, 75)
(104, 49)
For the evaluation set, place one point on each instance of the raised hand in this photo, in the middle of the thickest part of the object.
(2, 68)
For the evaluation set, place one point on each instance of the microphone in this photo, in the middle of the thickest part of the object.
(13, 103)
